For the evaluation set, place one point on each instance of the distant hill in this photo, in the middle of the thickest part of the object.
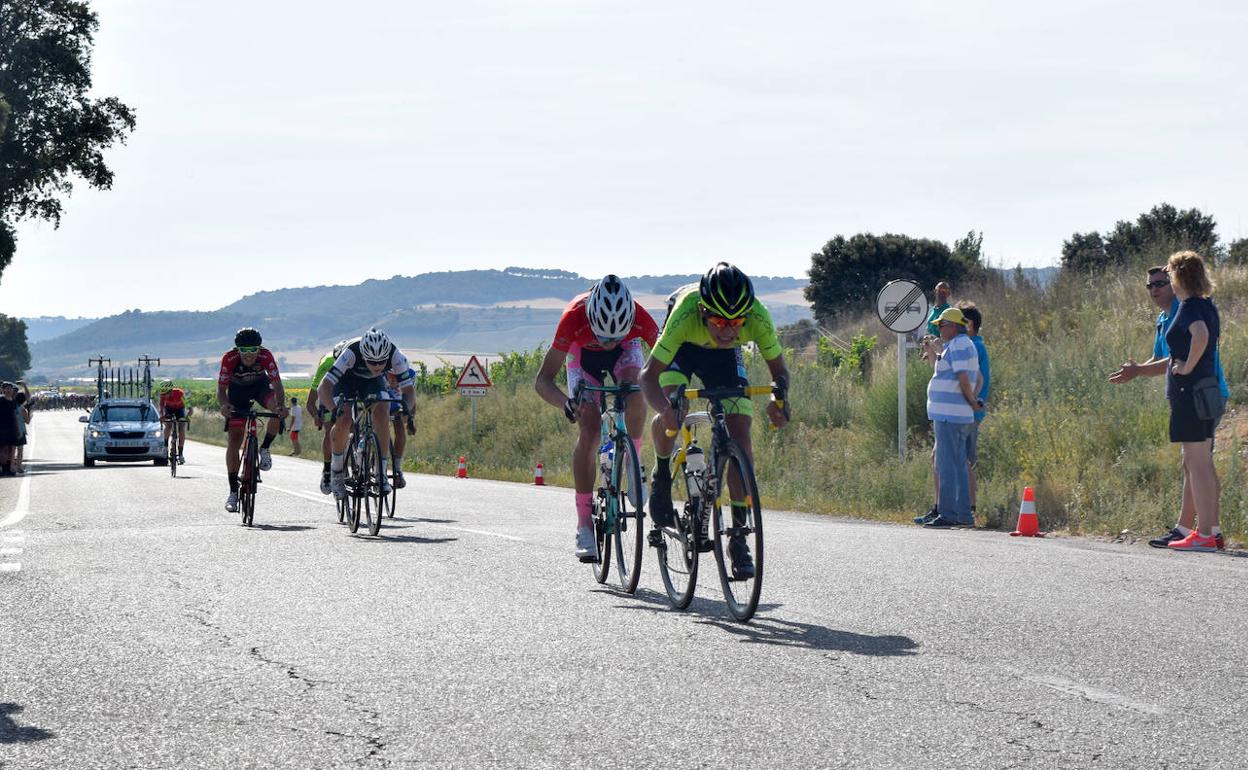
(45, 327)
(446, 311)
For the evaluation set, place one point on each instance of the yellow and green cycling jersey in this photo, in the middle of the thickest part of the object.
(322, 369)
(685, 325)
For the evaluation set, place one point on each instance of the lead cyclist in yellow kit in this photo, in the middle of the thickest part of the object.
(703, 334)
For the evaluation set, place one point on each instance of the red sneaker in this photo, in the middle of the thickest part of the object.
(1195, 542)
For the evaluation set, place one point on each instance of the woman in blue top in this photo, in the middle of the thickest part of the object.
(1193, 339)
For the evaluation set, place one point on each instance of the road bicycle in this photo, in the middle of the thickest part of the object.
(363, 471)
(701, 524)
(249, 471)
(618, 502)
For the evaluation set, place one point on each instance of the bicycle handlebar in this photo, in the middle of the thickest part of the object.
(716, 394)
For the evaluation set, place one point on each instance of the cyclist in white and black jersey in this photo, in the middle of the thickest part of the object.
(360, 371)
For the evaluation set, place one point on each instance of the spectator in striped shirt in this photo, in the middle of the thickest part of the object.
(951, 406)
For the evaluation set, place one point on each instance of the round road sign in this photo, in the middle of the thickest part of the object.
(901, 306)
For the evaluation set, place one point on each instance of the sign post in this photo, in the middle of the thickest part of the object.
(902, 308)
(474, 382)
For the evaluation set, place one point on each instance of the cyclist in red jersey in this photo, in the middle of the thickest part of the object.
(248, 373)
(600, 333)
(173, 407)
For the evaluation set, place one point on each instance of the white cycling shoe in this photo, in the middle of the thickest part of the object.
(266, 460)
(338, 484)
(586, 544)
(231, 503)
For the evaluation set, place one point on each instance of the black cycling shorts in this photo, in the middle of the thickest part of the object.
(350, 387)
(241, 396)
(178, 412)
(715, 367)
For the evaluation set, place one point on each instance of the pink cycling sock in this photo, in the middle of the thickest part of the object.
(584, 518)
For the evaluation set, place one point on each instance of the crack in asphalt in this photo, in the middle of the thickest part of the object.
(370, 717)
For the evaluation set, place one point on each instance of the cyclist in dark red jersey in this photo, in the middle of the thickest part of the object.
(248, 373)
(600, 333)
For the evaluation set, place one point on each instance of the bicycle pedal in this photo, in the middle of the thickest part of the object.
(706, 546)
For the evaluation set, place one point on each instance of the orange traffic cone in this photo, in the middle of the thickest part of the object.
(539, 476)
(462, 471)
(1028, 523)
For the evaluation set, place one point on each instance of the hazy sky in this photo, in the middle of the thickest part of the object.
(293, 144)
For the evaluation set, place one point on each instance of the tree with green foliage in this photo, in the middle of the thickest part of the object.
(1237, 254)
(14, 354)
(848, 273)
(54, 130)
(1149, 240)
(970, 248)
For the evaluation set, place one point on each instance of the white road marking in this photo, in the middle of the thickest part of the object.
(1093, 694)
(329, 500)
(10, 566)
(22, 508)
(10, 551)
(16, 536)
(480, 532)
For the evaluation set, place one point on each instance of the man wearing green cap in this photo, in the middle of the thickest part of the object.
(951, 405)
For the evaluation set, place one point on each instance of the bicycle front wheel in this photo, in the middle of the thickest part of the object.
(738, 532)
(378, 472)
(247, 481)
(172, 453)
(396, 463)
(629, 535)
(355, 480)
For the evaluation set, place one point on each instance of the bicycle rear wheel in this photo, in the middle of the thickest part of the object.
(738, 530)
(171, 451)
(602, 567)
(630, 519)
(678, 551)
(395, 462)
(247, 481)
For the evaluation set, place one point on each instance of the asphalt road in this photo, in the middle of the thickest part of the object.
(142, 626)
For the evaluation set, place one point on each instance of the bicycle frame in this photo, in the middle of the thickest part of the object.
(614, 428)
(718, 421)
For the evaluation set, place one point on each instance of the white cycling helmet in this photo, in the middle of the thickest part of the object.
(610, 309)
(375, 345)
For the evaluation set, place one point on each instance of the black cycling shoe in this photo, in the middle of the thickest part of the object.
(742, 562)
(661, 511)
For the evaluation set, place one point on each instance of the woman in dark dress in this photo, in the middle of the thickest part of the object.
(1193, 338)
(8, 426)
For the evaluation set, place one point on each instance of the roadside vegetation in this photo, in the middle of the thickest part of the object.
(1096, 453)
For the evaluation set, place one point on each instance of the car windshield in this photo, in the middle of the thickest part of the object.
(127, 413)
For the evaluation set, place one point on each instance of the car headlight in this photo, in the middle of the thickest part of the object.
(155, 432)
(97, 434)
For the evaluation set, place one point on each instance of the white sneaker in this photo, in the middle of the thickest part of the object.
(338, 484)
(231, 503)
(266, 460)
(586, 544)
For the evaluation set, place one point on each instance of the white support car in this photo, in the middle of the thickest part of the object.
(124, 430)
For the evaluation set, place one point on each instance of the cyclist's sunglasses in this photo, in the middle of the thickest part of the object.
(246, 349)
(609, 340)
(382, 362)
(719, 322)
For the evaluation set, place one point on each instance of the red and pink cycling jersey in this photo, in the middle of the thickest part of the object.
(235, 372)
(574, 329)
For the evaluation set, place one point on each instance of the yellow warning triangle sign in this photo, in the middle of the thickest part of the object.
(473, 375)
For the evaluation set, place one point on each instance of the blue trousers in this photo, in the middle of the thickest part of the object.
(955, 481)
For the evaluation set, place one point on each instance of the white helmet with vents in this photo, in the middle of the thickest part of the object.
(610, 309)
(375, 345)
